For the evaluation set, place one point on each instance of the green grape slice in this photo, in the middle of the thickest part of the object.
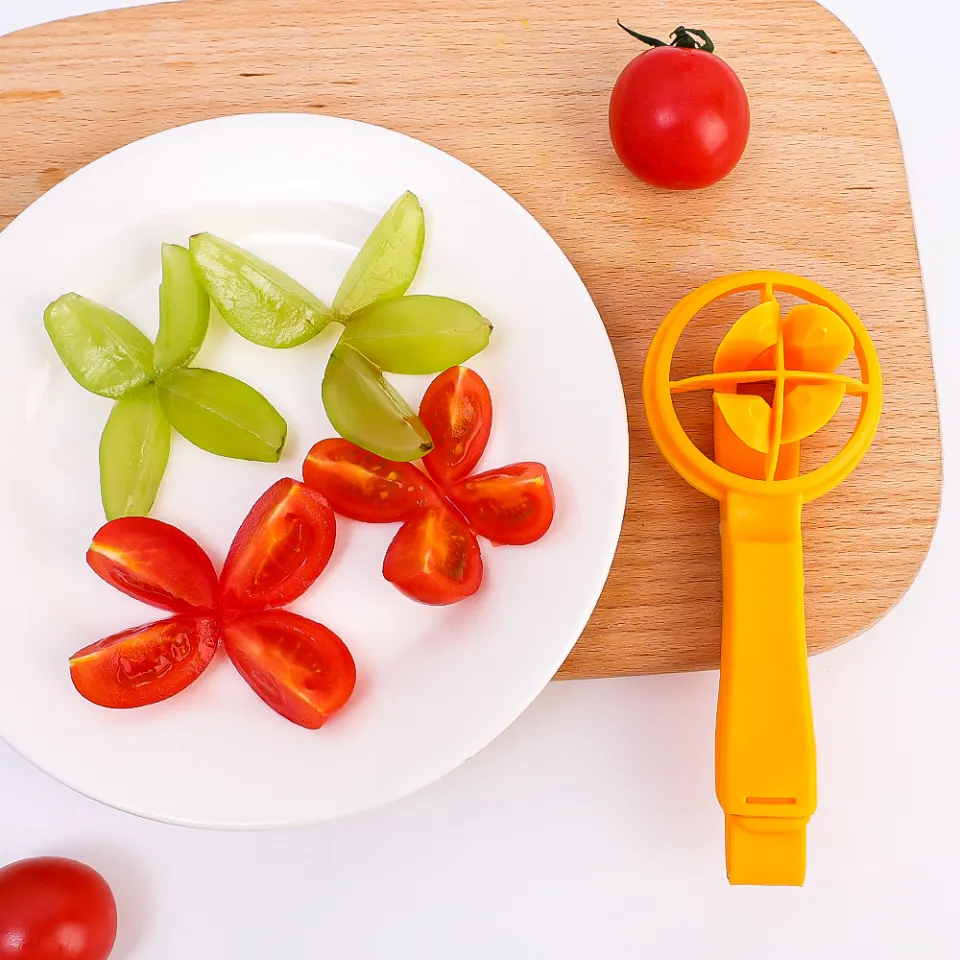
(184, 311)
(103, 352)
(133, 454)
(418, 334)
(259, 301)
(223, 415)
(387, 261)
(367, 411)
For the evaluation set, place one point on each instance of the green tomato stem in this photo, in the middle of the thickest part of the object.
(686, 38)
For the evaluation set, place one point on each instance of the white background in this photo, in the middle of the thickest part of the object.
(589, 829)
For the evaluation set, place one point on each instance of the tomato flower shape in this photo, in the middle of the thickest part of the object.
(296, 666)
(434, 557)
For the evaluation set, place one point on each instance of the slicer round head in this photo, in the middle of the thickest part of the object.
(757, 441)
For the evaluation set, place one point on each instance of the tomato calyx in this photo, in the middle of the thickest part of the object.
(686, 38)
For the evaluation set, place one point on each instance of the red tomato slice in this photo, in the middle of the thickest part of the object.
(457, 412)
(156, 563)
(299, 668)
(363, 486)
(510, 505)
(145, 664)
(280, 549)
(435, 558)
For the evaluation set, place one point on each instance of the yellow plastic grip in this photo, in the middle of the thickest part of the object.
(765, 755)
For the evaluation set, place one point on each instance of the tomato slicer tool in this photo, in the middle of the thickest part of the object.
(765, 759)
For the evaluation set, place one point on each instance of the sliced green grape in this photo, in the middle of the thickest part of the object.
(259, 301)
(184, 311)
(387, 261)
(223, 415)
(366, 410)
(103, 352)
(417, 334)
(133, 454)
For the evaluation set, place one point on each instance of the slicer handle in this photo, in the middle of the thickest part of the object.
(766, 765)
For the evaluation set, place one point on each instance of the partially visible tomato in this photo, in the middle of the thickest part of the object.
(280, 549)
(299, 668)
(435, 558)
(156, 563)
(458, 413)
(55, 909)
(679, 116)
(512, 504)
(146, 664)
(363, 486)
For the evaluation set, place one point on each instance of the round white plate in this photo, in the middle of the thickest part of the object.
(435, 685)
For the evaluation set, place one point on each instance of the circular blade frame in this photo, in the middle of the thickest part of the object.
(695, 466)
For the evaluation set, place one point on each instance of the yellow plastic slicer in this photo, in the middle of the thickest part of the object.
(774, 384)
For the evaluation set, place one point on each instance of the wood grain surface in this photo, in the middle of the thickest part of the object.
(519, 90)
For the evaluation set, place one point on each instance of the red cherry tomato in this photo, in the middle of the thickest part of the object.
(679, 116)
(280, 549)
(155, 563)
(363, 486)
(55, 909)
(146, 664)
(299, 668)
(458, 413)
(513, 504)
(435, 558)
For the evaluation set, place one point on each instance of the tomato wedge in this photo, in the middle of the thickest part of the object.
(363, 486)
(513, 504)
(458, 413)
(435, 558)
(280, 549)
(296, 666)
(146, 664)
(155, 563)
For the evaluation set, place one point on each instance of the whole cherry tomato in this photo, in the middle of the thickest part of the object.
(55, 909)
(679, 116)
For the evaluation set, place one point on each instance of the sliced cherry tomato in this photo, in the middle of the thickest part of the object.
(435, 558)
(513, 504)
(156, 563)
(458, 412)
(280, 549)
(363, 486)
(146, 664)
(296, 666)
(55, 908)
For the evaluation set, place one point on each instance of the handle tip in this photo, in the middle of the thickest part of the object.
(766, 851)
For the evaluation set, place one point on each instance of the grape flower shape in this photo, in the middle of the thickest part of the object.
(297, 666)
(435, 557)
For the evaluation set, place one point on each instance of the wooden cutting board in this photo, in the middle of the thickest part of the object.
(518, 89)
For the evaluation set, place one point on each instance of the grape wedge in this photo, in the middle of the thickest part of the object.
(417, 334)
(222, 415)
(366, 410)
(102, 351)
(133, 454)
(387, 261)
(259, 301)
(184, 311)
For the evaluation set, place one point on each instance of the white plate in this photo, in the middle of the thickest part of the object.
(435, 685)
